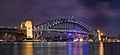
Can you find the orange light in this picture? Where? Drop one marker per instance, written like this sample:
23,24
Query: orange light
101,34
81,39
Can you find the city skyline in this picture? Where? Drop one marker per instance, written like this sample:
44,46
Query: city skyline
101,14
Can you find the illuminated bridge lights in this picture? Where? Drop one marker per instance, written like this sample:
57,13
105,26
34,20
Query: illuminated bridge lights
78,39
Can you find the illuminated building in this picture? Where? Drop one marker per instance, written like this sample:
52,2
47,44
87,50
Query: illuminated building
27,26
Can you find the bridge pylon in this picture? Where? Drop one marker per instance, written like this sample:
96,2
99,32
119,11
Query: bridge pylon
27,26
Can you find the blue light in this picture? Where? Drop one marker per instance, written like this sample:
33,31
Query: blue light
69,34
85,49
70,49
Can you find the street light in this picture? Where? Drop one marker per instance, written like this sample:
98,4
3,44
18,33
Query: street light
98,31
99,35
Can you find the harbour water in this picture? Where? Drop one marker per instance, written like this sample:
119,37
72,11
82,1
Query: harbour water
59,48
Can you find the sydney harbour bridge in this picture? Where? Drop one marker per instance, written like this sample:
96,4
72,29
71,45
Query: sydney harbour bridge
50,27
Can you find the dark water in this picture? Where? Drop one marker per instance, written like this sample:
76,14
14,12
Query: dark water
59,48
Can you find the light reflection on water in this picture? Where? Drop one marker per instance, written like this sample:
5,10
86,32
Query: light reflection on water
58,48
85,50
69,49
27,48
101,49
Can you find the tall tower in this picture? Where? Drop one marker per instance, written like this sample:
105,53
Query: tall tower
27,26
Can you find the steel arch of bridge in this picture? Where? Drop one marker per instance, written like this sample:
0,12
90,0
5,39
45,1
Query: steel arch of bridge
48,25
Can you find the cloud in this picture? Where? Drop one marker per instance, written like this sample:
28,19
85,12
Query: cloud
100,13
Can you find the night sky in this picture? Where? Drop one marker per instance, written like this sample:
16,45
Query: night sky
100,14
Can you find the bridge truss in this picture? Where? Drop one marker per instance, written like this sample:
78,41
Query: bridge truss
47,27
